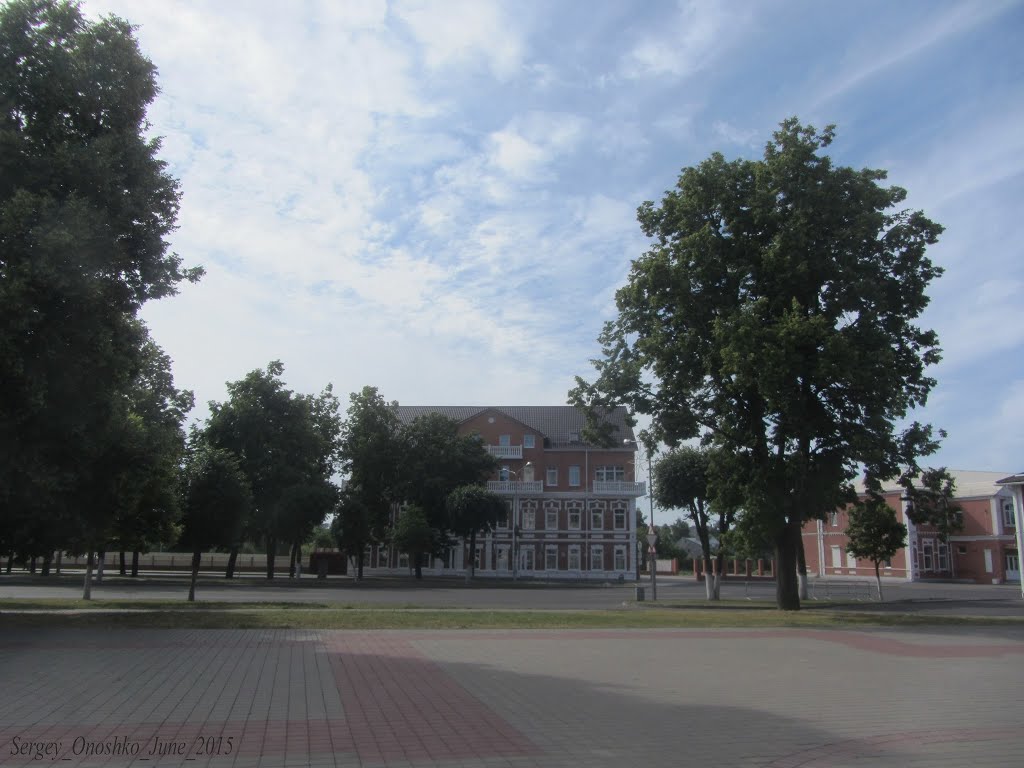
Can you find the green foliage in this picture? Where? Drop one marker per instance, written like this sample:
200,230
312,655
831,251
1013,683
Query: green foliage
372,457
85,207
287,446
873,532
774,315
437,460
413,535
930,496
216,499
473,509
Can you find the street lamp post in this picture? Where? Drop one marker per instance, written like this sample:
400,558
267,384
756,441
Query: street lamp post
650,497
515,521
652,540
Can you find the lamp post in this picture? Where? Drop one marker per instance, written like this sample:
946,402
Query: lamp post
652,540
515,520
650,496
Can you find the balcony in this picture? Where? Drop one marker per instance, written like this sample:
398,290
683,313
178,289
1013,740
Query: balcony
515,486
505,451
619,488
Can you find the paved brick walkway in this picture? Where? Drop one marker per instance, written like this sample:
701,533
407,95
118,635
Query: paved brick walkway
773,698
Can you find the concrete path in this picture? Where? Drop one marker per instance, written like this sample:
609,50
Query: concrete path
770,698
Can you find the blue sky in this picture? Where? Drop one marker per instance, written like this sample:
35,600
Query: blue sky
438,199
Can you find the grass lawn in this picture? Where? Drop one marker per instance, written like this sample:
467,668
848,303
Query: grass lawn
162,614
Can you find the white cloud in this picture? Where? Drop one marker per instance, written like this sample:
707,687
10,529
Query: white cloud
699,33
462,32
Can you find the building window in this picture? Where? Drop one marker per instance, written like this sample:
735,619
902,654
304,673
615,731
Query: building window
962,550
504,439
529,441
551,559
596,515
529,518
551,515
503,520
574,557
609,473
382,556
597,558
552,476
833,519
504,473
943,557
575,509
478,558
1008,519
620,558
503,559
927,556
574,476
619,512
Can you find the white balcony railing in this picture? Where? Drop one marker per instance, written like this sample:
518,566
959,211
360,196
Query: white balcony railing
515,486
505,451
620,487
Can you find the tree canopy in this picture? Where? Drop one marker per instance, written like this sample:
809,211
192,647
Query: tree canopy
86,206
774,315
286,445
873,533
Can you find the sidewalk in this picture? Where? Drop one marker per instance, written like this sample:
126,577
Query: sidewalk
518,698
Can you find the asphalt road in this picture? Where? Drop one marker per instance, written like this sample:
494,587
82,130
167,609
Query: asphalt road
931,597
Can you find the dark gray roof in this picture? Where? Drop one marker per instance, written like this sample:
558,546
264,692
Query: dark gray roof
563,425
1012,480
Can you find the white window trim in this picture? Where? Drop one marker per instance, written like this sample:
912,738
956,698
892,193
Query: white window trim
529,441
551,472
574,476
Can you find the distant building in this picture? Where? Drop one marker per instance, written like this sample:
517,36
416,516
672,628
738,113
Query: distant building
573,504
986,551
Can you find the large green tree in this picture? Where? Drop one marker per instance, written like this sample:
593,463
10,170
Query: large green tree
436,460
472,509
684,480
775,314
287,446
86,206
372,458
149,507
873,533
216,500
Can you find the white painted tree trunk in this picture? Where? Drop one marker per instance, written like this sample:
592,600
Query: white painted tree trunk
803,585
87,590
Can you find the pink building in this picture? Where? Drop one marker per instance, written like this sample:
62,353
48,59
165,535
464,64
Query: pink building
986,551
572,503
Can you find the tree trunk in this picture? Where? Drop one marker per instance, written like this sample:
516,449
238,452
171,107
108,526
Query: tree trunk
10,561
716,580
878,581
47,559
291,562
297,556
801,568
471,570
229,572
196,556
135,563
271,555
87,591
100,562
59,556
32,564
359,569
120,558
787,593
419,567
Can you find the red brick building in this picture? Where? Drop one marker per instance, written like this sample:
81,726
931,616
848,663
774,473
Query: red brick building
986,551
573,503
